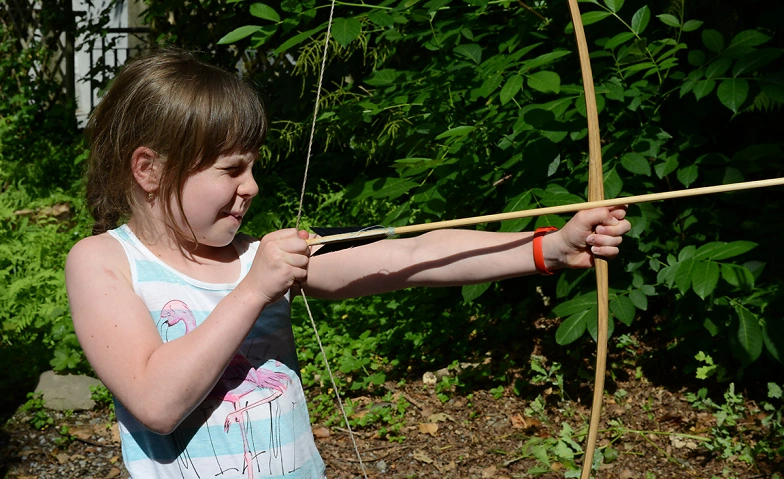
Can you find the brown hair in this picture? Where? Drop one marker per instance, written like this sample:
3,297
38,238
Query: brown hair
185,110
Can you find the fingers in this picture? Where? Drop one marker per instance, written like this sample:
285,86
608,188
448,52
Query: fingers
606,227
281,261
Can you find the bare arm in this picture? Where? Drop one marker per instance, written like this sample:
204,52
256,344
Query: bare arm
459,257
161,383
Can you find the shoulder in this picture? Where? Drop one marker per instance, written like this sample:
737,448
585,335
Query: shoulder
101,252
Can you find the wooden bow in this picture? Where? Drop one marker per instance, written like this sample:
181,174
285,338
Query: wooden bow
595,193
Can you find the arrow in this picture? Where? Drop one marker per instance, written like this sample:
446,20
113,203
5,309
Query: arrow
378,232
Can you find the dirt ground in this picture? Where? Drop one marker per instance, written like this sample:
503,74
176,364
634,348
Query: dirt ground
655,433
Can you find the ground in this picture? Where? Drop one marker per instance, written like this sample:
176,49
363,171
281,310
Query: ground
651,432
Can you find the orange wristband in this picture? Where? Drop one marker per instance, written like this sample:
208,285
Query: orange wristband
541,267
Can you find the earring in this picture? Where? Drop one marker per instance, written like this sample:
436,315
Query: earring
150,196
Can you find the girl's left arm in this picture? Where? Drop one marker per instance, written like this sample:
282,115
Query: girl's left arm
459,257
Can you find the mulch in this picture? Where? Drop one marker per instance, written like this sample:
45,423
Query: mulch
469,436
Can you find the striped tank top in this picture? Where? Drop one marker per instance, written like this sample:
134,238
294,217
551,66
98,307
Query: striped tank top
255,421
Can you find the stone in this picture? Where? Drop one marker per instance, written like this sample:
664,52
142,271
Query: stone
66,392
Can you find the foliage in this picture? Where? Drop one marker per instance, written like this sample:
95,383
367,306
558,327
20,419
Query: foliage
739,432
35,406
40,217
483,100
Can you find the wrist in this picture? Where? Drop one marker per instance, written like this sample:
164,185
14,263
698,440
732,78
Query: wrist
546,255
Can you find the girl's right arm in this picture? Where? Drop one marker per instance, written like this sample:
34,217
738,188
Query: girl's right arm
161,383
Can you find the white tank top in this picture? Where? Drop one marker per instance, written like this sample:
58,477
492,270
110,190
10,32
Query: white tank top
255,421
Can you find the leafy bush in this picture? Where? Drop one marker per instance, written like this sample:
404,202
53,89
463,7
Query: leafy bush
483,101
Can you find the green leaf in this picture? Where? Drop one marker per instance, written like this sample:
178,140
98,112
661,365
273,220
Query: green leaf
462,130
264,33
639,299
614,5
518,203
688,175
773,337
264,11
595,16
669,20
544,59
381,18
703,88
618,39
713,40
613,184
683,275
733,92
691,25
382,77
636,163
346,30
576,305
490,85
667,166
738,276
733,249
238,34
704,278
473,291
640,19
623,308
545,81
472,51
749,335
386,188
774,391
299,38
570,330
718,68
749,38
755,60
511,88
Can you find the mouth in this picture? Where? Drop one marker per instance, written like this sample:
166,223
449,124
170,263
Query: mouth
236,216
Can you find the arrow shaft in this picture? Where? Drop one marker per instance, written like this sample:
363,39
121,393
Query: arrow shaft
551,210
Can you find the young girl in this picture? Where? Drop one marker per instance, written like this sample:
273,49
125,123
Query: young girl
188,322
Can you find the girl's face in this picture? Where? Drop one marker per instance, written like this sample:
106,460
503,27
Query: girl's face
215,199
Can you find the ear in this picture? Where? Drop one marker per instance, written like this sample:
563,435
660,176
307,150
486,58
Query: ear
146,166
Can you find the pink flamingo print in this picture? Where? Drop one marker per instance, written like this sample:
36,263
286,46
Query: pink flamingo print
238,380
251,380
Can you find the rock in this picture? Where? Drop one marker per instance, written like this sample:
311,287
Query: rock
66,392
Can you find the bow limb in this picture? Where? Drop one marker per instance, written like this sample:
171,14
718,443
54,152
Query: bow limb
595,193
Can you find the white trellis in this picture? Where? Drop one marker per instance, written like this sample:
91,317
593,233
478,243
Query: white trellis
125,33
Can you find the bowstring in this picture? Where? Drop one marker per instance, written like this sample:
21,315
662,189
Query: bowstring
299,218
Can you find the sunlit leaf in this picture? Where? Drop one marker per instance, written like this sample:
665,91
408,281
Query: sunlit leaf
238,34
640,19
264,11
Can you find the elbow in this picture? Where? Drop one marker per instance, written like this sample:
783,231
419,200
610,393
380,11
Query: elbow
158,419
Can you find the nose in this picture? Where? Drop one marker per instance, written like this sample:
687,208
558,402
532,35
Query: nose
248,188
